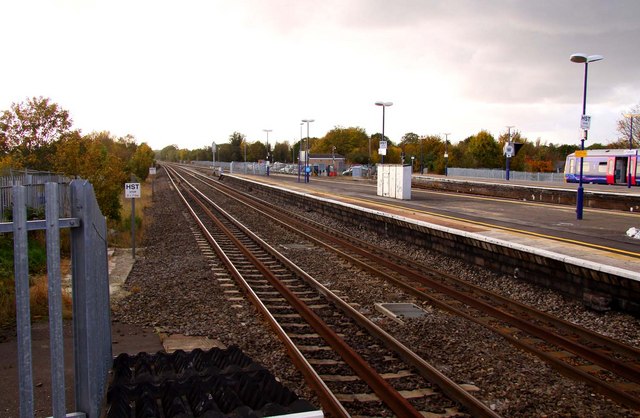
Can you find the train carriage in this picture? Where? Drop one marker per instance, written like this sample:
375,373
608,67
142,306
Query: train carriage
604,166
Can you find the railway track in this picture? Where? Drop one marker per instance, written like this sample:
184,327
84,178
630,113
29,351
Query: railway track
609,366
355,367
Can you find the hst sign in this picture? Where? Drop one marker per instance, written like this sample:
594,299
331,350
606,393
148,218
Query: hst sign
132,190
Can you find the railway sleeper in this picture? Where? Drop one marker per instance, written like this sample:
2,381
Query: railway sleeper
372,397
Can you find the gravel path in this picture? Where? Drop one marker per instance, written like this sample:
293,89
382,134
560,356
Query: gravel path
174,289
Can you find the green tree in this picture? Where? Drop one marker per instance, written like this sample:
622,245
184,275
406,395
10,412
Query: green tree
169,153
282,152
234,150
141,160
28,130
484,151
410,138
431,150
256,151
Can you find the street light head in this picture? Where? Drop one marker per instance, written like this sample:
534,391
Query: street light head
584,58
579,58
268,130
308,120
384,104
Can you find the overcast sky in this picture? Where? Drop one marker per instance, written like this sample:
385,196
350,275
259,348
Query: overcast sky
192,72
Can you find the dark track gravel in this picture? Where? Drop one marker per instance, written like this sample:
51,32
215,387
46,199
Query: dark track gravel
174,289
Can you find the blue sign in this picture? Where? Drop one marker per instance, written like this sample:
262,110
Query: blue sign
307,169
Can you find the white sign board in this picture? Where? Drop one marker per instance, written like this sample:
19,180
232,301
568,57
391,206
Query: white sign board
508,150
132,190
585,122
382,150
152,171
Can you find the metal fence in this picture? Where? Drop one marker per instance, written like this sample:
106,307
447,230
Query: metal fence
90,287
502,174
34,197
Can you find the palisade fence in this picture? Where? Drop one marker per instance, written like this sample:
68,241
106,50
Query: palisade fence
35,181
486,173
90,288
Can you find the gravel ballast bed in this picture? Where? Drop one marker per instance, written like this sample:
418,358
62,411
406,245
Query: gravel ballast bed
173,288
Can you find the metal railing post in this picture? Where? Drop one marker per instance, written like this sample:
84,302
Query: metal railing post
91,312
52,215
23,312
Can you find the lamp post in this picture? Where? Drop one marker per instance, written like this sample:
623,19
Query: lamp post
421,157
630,172
333,158
306,154
369,161
245,155
446,154
267,131
508,150
384,105
299,150
583,59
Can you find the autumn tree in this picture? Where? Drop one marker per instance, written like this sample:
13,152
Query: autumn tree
624,128
88,157
350,142
28,130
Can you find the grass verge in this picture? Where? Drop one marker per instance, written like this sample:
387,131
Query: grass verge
120,231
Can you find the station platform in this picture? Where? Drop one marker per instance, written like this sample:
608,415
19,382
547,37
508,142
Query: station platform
598,241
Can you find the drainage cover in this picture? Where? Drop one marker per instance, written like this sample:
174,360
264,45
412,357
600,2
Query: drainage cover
399,311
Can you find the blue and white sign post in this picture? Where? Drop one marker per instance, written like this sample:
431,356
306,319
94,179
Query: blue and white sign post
585,122
508,151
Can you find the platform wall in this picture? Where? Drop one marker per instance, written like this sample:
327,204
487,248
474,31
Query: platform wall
583,281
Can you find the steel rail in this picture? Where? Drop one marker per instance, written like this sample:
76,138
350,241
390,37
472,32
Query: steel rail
328,400
387,394
390,396
450,388
605,361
